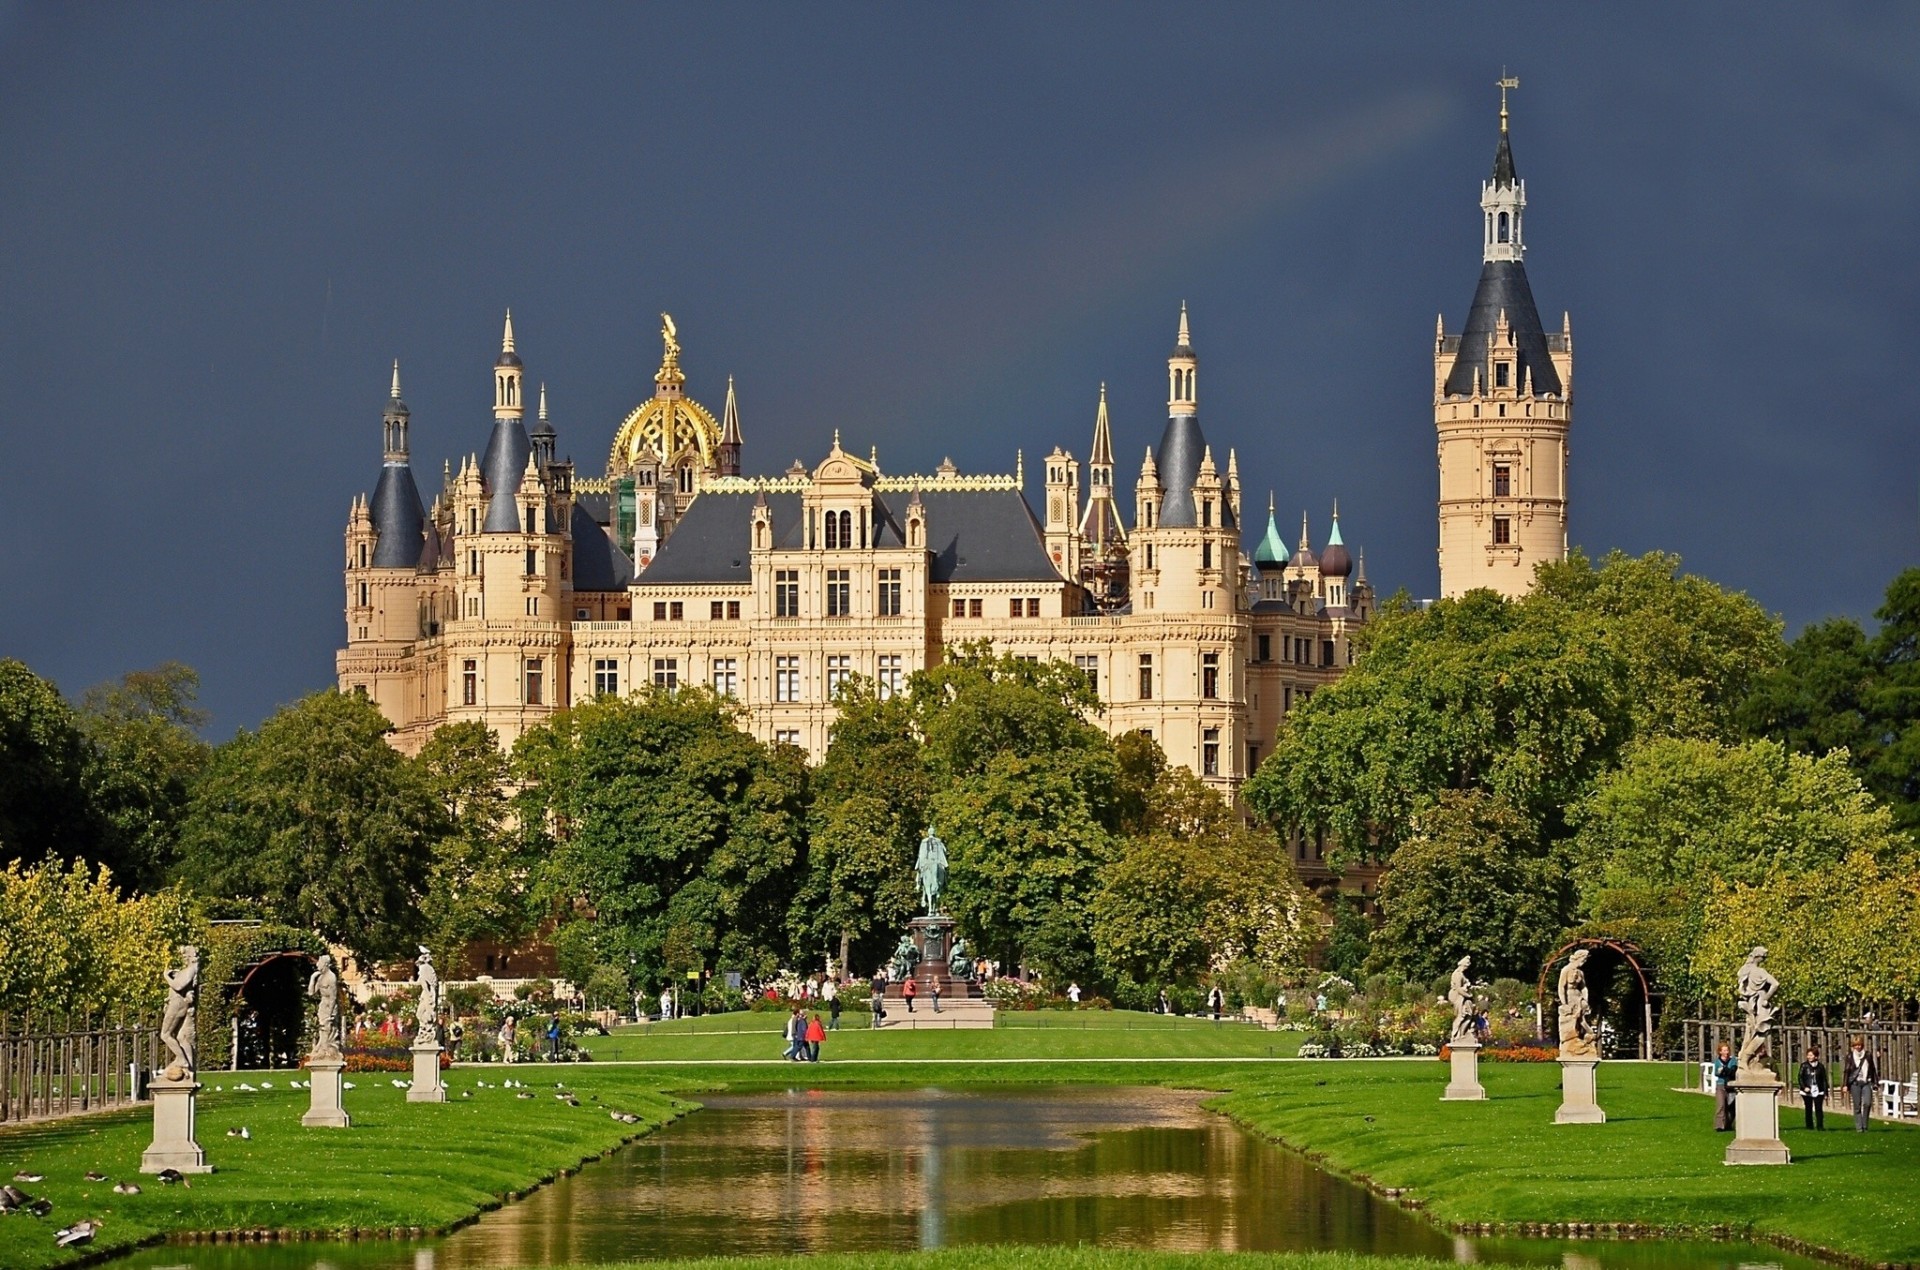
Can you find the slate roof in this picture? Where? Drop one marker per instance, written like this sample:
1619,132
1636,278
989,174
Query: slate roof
398,519
1503,289
500,470
598,564
1178,461
974,535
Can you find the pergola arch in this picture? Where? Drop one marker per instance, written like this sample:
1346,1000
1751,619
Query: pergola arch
1627,949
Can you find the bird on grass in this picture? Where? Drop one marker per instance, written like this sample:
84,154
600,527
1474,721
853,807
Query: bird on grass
94,1176
12,1197
169,1177
80,1232
525,1093
239,1131
39,1207
29,1177
125,1188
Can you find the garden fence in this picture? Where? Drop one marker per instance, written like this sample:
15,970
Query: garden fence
63,1068
1896,1046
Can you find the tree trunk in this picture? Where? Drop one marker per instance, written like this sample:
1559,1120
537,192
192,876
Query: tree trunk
846,950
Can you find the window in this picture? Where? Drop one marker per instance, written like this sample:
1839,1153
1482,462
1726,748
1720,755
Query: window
659,610
888,675
1149,555
473,562
1502,373
473,520
1253,757
1210,752
1146,676
715,609
469,682
974,608
533,562
363,595
606,677
839,592
1033,606
839,667
733,610
533,606
581,615
1016,607
1502,480
666,673
786,593
846,529
363,555
677,610
1206,555
786,679
1090,667
1502,531
360,691
833,531
535,682
786,736
726,676
1210,675
625,613
1286,698
1326,652
959,608
1263,645
889,593
1206,513
1505,227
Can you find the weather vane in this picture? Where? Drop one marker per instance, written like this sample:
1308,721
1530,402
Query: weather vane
1506,81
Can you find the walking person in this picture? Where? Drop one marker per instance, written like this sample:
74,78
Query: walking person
1724,1070
878,1004
833,1013
933,990
794,1034
1813,1089
553,1039
908,991
1166,1006
1214,1001
509,1030
1073,993
813,1036
1862,1076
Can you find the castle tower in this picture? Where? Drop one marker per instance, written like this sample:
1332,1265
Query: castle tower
1103,536
1502,405
1062,500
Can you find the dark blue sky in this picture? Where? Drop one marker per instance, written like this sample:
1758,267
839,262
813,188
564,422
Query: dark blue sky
937,229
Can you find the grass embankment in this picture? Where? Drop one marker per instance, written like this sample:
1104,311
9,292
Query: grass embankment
1655,1162
402,1165
1055,1258
1027,1035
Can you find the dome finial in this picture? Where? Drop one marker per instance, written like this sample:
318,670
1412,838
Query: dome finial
543,403
396,379
1506,82
506,334
1185,340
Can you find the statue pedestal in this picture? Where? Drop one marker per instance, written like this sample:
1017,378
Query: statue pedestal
1579,1092
173,1120
1465,1085
1756,1120
427,1085
323,1094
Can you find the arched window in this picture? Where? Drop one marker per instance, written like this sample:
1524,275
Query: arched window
833,531
846,529
1504,227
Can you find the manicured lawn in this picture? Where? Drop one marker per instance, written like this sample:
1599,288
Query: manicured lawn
1055,1258
1018,1034
401,1164
1656,1160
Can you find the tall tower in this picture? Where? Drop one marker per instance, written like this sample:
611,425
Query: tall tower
1102,533
1502,404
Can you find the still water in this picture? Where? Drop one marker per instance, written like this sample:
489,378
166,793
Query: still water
810,1171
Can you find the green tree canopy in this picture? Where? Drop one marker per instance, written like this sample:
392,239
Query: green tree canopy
320,823
682,836
480,884
70,942
147,756
1473,881
46,809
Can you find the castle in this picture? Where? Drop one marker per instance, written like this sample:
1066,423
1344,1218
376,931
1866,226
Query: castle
524,589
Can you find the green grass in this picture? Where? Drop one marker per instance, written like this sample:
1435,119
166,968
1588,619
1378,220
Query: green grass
1024,1035
400,1165
1656,1161
1055,1258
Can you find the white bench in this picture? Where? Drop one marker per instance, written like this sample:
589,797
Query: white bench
1706,1077
1898,1101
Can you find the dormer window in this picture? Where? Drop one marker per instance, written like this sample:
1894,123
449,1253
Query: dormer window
1502,374
1506,228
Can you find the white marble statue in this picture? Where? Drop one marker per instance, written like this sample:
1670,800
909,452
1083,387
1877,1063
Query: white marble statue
324,984
427,1009
176,1021
1576,1011
1756,987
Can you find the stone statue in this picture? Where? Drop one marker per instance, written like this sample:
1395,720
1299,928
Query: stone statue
1756,987
176,1021
427,1010
1463,993
931,870
324,983
905,957
1576,1012
960,962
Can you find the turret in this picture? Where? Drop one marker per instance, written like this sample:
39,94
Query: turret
543,436
727,453
1062,500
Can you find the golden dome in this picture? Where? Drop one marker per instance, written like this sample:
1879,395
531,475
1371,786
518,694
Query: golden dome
670,422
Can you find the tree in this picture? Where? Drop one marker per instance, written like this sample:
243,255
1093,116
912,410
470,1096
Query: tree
869,806
681,835
147,754
46,811
1473,881
71,943
1679,816
319,823
479,886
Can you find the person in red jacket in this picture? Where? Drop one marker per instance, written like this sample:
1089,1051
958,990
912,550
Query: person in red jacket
908,991
815,1035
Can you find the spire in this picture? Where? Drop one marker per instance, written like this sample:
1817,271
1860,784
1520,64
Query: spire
396,379
398,518
506,334
543,401
394,423
507,403
1334,539
727,460
1272,549
1185,340
1102,454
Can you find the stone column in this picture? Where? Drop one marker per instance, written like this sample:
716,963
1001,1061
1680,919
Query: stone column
1465,1085
174,1146
1756,1120
1579,1092
427,1085
324,1086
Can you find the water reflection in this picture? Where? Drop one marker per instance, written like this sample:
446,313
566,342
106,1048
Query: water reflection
813,1171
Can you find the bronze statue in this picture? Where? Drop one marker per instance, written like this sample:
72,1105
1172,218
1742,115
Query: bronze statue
960,961
905,958
931,870
176,1021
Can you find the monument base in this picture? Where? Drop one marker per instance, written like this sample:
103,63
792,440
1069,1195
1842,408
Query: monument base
1579,1092
1465,1085
1756,1121
954,1012
174,1146
427,1085
324,1084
